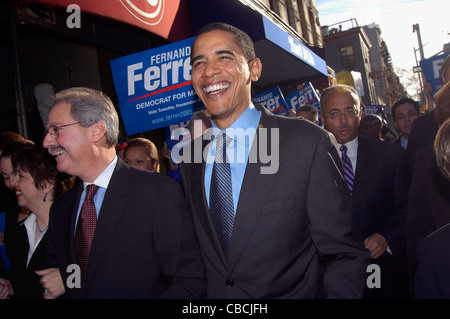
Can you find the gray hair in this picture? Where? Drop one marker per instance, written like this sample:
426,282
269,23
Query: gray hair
89,106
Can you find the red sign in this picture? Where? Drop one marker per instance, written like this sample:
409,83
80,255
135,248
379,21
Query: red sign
156,16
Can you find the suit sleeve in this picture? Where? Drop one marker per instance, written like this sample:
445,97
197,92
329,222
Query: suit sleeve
177,245
395,227
425,284
339,244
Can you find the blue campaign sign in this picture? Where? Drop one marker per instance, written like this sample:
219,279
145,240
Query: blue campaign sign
154,87
272,100
306,95
177,133
431,69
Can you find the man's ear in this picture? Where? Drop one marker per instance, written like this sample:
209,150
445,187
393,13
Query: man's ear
98,130
255,67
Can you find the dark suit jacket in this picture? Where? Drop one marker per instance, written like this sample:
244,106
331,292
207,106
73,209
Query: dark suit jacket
432,277
429,202
423,133
293,236
380,199
144,244
380,191
24,280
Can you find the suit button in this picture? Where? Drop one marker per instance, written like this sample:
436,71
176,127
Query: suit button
230,283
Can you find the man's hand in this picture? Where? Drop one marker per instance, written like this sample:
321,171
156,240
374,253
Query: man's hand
377,245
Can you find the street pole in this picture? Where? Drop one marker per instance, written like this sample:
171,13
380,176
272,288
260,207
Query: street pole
416,29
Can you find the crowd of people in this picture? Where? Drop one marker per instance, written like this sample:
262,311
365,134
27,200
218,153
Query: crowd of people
87,216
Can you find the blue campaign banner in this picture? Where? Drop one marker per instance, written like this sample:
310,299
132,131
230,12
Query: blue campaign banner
373,109
285,41
154,87
177,133
273,100
2,246
431,69
306,95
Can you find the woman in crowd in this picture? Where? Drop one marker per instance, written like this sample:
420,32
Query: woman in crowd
142,153
37,184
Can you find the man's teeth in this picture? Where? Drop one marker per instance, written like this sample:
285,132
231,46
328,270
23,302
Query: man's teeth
58,153
216,87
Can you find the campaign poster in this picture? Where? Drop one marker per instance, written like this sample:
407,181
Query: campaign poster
306,95
373,109
154,87
431,69
177,133
272,100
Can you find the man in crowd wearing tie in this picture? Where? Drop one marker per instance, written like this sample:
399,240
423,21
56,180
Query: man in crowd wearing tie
267,230
129,231
377,177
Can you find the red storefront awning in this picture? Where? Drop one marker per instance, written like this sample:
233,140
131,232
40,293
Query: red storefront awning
156,16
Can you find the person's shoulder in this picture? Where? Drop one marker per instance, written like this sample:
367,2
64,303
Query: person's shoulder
380,144
436,238
426,119
299,125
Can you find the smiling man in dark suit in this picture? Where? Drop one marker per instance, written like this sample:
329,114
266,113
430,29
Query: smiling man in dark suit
144,244
377,176
284,230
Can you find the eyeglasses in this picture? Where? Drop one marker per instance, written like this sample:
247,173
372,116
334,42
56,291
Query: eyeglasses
55,130
333,115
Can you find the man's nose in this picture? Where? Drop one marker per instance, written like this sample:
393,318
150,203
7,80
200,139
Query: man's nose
210,69
48,141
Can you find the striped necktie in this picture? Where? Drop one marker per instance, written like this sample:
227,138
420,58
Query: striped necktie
348,170
221,195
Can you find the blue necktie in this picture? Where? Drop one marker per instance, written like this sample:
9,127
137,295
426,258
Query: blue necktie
221,205
348,170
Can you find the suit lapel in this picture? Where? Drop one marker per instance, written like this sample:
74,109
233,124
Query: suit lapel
73,221
363,165
196,180
254,190
112,209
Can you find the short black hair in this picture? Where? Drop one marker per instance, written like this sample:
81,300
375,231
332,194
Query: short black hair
243,40
404,101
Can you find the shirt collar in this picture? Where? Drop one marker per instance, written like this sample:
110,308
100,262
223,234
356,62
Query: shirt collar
248,119
103,179
352,146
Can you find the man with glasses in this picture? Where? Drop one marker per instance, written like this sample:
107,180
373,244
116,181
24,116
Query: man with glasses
376,174
133,236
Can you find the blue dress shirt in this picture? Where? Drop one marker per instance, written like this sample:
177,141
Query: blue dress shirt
242,133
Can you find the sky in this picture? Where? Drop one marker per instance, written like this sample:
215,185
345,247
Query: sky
395,19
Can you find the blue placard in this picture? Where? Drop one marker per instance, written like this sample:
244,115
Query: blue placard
2,246
306,95
154,87
431,69
273,100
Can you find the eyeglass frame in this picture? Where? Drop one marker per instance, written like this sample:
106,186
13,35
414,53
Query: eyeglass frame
56,129
347,112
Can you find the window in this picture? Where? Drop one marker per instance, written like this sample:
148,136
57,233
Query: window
347,57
